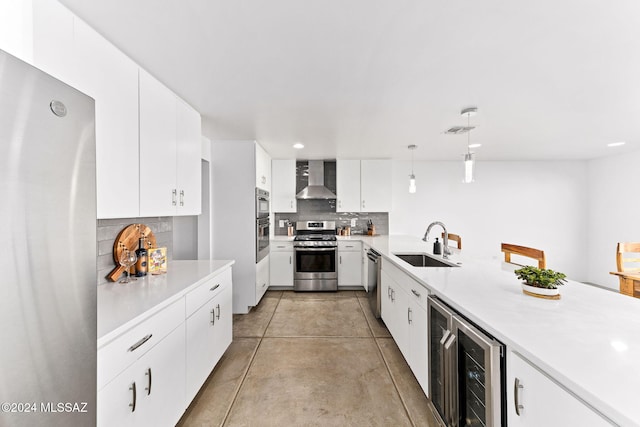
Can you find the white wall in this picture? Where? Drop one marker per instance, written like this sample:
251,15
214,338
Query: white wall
613,213
539,204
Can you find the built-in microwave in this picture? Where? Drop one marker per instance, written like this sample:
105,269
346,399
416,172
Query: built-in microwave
262,203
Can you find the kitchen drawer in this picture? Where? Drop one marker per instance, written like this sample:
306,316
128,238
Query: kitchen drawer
203,293
349,246
416,291
120,353
281,246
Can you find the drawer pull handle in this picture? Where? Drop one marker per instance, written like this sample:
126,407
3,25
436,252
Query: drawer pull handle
148,388
416,293
516,396
139,343
409,315
174,194
218,314
132,405
215,287
213,316
181,197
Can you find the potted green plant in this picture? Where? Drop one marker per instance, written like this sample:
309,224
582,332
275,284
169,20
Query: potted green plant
541,281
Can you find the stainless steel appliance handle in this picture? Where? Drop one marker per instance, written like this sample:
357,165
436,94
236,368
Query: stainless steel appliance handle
143,340
148,388
445,336
372,257
450,342
132,405
517,385
311,249
340,259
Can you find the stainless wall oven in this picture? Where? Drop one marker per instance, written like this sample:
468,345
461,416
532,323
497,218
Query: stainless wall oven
315,249
262,238
466,372
262,203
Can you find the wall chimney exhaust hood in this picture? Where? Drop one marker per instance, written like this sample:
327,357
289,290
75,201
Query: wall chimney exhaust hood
316,188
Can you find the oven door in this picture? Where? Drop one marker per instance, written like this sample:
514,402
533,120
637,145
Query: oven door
262,203
262,238
315,263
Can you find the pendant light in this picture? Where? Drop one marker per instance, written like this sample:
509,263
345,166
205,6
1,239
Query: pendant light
468,156
412,177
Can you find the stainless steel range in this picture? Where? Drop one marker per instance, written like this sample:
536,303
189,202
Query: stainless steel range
316,256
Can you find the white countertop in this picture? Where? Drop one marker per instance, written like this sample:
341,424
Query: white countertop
577,340
119,304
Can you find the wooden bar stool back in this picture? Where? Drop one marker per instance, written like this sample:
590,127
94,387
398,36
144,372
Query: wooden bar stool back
454,238
524,251
630,263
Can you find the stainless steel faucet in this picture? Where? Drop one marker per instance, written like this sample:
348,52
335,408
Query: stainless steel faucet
445,250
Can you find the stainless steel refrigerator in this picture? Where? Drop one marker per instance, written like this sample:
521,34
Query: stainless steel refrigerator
48,253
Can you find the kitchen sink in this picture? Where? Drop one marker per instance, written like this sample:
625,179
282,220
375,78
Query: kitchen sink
423,260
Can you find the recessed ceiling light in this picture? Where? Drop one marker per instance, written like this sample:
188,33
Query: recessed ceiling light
475,145
298,145
616,144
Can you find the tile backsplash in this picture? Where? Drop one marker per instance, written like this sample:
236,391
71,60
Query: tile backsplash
108,229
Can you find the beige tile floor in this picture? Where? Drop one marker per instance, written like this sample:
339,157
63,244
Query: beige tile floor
310,359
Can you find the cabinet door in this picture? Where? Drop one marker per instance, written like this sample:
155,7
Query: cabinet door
16,34
53,40
115,401
418,331
541,401
349,268
262,278
348,185
263,169
188,159
223,326
395,313
199,348
158,190
375,185
283,186
281,268
111,78
161,374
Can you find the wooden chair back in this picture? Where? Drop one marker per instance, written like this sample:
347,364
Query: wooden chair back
632,263
454,238
536,254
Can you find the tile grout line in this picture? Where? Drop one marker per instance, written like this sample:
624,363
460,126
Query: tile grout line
386,364
246,372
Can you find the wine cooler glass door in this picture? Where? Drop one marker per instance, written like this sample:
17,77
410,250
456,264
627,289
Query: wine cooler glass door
440,324
477,392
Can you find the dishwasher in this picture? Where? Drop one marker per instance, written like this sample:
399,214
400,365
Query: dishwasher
373,281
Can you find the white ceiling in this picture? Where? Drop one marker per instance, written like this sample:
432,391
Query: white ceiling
365,78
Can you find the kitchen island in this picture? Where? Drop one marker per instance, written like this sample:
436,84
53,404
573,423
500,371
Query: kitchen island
588,341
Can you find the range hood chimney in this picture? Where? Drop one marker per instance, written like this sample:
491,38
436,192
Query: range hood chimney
316,188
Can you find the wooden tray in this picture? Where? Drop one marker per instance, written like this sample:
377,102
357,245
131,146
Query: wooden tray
128,238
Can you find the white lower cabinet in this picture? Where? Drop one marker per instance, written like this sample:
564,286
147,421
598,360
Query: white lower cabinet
148,375
404,311
349,264
262,277
533,399
149,392
281,264
209,333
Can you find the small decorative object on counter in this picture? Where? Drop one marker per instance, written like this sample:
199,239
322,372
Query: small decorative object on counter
290,229
141,253
371,229
437,247
128,239
541,282
157,260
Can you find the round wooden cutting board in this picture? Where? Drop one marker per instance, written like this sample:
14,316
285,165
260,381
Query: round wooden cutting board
128,239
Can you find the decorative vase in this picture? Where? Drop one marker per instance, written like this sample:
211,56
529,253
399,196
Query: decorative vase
541,292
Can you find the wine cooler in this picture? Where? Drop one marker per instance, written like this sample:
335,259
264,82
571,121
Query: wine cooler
466,372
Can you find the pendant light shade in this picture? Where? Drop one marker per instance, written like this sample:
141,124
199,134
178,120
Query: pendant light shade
468,156
412,177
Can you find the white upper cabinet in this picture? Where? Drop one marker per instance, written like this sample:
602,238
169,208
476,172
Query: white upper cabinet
111,78
348,185
170,152
189,155
363,185
283,185
158,191
263,169
375,185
